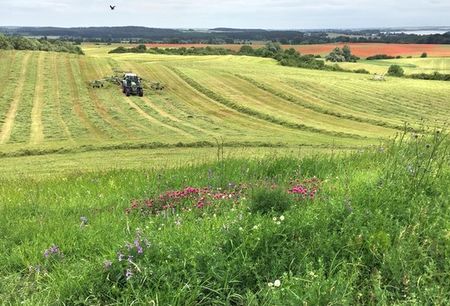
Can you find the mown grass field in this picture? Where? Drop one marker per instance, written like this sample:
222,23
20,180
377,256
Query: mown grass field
246,102
242,183
409,65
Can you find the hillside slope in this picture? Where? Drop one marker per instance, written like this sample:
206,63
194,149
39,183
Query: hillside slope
47,104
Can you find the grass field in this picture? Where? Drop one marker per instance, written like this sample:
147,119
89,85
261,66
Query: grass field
374,230
242,183
409,65
247,102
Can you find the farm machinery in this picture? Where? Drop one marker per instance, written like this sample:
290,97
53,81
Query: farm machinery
130,83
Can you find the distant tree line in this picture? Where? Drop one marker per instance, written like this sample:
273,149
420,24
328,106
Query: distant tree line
226,36
43,44
289,57
380,57
385,56
436,76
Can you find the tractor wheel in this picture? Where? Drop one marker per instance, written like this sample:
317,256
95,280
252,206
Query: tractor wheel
128,93
141,93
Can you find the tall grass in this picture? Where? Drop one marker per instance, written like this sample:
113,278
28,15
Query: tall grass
376,232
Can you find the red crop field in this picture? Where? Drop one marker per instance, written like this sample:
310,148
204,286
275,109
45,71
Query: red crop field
367,49
359,49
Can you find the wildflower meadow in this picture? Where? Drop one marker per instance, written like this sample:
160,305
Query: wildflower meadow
367,227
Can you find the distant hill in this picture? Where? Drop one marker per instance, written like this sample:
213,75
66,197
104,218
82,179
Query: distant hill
224,35
157,34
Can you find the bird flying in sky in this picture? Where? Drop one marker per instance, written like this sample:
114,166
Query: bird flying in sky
112,7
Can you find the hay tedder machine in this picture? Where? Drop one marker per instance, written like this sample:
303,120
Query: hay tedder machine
130,83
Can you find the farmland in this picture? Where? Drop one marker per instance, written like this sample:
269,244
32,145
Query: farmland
245,101
362,50
410,65
243,182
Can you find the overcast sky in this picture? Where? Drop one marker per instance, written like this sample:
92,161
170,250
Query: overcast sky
281,14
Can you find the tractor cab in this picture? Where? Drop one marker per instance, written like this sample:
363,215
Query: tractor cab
131,85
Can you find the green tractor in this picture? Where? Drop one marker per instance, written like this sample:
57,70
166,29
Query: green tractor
131,85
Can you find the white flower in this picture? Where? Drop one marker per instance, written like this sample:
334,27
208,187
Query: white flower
277,283
282,218
270,285
274,219
278,223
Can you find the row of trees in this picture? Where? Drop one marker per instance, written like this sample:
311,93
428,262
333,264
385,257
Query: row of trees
43,44
385,56
289,57
175,51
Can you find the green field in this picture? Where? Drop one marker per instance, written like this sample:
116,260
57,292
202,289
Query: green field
241,183
245,101
410,65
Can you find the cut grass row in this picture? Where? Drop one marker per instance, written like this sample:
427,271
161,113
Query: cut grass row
254,113
316,108
236,89
20,119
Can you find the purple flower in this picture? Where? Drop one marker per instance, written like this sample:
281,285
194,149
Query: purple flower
53,250
136,243
140,250
128,274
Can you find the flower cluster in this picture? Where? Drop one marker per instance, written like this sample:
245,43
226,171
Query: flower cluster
185,200
278,220
53,252
127,257
275,284
306,189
